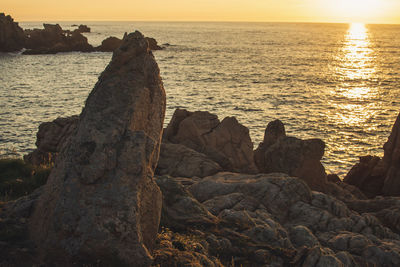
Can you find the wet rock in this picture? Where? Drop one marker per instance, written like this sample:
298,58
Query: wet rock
101,203
50,140
109,44
12,37
228,142
180,161
290,155
53,39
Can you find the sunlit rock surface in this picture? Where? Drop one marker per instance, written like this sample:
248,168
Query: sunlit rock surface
227,142
296,157
101,202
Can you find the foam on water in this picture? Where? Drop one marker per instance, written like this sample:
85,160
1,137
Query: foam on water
336,82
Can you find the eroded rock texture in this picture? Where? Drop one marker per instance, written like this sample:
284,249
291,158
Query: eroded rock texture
227,142
290,155
276,219
101,203
12,37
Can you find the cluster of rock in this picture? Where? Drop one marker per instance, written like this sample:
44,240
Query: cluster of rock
125,192
53,39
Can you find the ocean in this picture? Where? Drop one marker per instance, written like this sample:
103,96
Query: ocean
337,82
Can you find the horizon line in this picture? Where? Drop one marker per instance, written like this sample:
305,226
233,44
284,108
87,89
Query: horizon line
214,21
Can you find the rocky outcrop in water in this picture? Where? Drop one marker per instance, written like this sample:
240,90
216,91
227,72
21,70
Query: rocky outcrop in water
50,139
111,43
12,37
290,155
83,28
101,203
53,39
227,142
375,176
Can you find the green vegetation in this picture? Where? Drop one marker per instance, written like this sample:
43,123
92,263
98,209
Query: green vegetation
18,178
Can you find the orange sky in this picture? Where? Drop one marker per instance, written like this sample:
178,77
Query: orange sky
368,11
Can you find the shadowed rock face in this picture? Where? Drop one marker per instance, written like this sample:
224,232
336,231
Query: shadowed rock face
290,155
51,137
375,176
101,202
391,159
228,142
12,37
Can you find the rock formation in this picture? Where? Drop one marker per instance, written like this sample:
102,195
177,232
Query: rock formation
276,219
290,155
375,176
83,28
111,43
50,139
180,161
228,142
101,204
12,37
53,39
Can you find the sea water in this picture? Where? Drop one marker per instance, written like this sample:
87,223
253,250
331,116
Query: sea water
337,82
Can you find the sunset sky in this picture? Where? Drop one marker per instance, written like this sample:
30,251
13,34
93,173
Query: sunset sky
367,11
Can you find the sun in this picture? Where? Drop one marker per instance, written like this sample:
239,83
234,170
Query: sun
356,10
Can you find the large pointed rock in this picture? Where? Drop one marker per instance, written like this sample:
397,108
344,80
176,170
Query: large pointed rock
101,204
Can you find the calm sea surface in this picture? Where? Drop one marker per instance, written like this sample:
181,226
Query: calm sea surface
337,82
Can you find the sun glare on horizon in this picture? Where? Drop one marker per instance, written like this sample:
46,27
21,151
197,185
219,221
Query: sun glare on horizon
357,10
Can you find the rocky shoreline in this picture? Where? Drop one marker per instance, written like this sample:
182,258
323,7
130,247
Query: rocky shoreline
125,192
53,39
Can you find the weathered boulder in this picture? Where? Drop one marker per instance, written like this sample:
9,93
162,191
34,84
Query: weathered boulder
50,139
228,142
101,204
181,161
367,175
375,176
12,37
109,44
290,155
53,39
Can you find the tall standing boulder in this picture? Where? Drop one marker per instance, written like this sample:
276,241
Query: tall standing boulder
101,204
12,37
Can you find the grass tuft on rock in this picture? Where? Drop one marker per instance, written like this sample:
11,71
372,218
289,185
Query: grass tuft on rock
18,178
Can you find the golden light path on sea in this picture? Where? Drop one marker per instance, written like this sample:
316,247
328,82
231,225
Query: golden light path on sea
356,66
